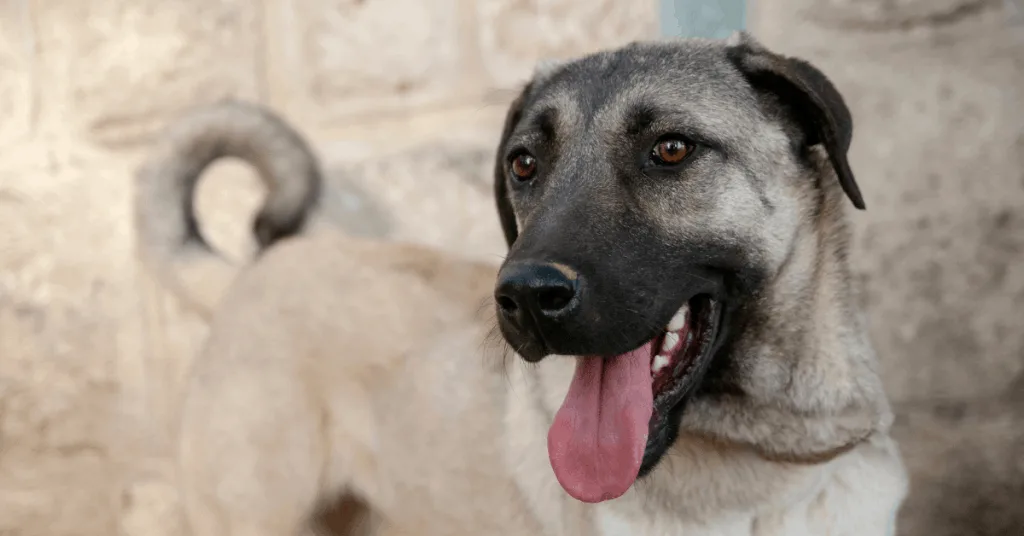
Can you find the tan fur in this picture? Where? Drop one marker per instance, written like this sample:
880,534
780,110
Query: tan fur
346,378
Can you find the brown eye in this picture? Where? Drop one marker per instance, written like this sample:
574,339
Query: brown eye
670,151
524,166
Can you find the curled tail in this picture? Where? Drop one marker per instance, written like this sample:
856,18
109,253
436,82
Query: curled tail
168,238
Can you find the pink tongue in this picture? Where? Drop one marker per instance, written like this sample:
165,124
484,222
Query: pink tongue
596,443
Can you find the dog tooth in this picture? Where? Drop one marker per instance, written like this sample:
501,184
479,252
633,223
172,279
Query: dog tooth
679,320
660,362
670,342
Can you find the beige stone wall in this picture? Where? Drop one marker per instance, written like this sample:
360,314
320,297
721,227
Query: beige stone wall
403,98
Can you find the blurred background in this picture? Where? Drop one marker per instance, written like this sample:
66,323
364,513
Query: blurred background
404,100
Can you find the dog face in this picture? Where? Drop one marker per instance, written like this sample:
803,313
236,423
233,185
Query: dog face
651,197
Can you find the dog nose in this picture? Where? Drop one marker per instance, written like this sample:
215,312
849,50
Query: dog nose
545,291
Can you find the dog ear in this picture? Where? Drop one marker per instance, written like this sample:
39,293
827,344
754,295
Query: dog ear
816,104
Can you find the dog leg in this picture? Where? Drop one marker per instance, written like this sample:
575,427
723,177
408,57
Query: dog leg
251,458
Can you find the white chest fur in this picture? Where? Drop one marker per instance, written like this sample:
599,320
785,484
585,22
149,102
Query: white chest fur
611,523
858,495
706,491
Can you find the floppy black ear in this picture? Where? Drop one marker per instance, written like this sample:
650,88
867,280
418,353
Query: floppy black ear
505,212
817,106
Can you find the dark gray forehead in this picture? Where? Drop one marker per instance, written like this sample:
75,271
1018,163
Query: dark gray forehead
693,79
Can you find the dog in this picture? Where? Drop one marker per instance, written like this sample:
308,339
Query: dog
671,346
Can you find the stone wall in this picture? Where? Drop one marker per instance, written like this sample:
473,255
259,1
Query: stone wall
392,91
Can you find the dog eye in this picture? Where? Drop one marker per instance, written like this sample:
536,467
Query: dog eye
523,166
671,151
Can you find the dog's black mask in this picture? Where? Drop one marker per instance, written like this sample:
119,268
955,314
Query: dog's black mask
612,284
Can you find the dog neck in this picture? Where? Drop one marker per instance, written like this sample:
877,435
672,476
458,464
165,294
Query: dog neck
800,380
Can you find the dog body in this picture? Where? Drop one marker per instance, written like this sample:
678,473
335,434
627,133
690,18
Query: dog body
340,371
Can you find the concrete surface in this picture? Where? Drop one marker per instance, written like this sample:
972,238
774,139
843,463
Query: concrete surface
91,351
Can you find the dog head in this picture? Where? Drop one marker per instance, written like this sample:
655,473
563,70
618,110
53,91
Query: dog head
678,205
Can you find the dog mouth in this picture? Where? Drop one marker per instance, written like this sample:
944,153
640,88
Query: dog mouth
617,419
683,348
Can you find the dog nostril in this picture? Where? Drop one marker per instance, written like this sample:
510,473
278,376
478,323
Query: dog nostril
508,305
538,291
555,299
